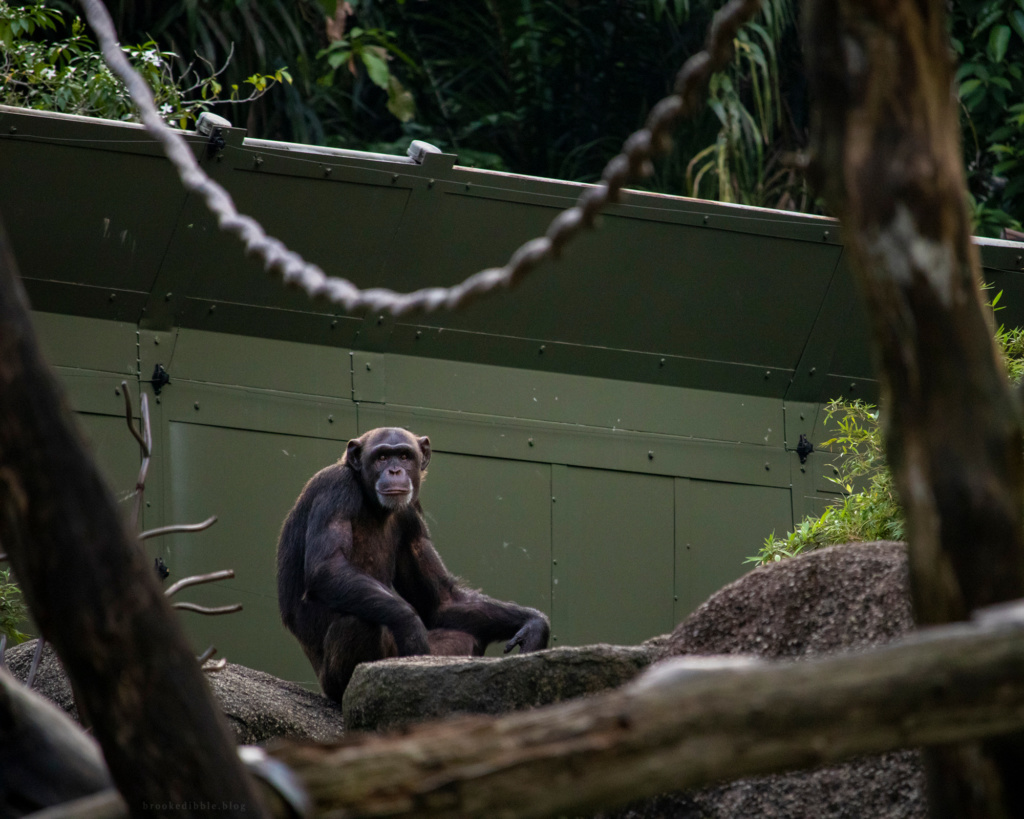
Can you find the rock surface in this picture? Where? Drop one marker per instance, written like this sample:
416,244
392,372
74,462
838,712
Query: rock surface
258,706
835,599
394,693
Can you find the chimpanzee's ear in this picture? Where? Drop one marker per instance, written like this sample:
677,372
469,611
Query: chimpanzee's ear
354,453
424,452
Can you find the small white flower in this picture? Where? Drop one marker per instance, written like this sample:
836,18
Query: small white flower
48,73
151,57
166,109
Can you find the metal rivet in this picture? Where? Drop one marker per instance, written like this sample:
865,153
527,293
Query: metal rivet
650,454
368,366
825,235
257,161
158,399
468,186
553,500
767,373
853,387
13,129
419,334
197,405
801,416
813,371
334,324
117,391
156,341
168,296
541,350
554,562
530,441
706,218
676,598
113,297
430,183
213,308
661,363
327,171
767,467
330,419
394,178
380,320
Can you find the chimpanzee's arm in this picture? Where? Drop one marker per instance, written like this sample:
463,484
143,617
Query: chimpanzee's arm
333,581
443,603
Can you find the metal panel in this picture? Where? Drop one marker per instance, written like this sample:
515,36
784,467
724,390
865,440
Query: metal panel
491,521
612,548
249,480
583,446
88,344
718,526
568,399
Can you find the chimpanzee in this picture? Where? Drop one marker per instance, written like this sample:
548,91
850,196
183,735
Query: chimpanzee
358,578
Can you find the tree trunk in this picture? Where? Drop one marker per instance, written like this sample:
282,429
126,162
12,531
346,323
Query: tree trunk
95,597
886,152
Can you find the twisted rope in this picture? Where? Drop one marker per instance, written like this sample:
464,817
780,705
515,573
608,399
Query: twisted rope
634,162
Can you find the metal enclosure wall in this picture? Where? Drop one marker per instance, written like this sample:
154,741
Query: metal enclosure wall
612,439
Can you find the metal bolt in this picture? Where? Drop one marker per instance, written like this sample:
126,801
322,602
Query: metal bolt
334,324
650,454
168,296
825,235
196,405
419,334
430,183
380,320
394,178
468,186
13,129
257,161
676,598
368,368
767,373
767,467
213,308
330,419
117,391
706,218
853,387
661,363
813,371
541,350
113,297
530,441
554,562
553,499
801,416
327,171
156,341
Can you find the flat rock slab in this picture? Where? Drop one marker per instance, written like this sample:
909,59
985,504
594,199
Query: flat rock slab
258,706
394,693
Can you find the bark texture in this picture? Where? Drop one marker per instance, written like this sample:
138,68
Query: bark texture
885,147
95,597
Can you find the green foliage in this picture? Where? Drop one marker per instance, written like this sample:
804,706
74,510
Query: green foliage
12,610
988,37
373,49
869,508
49,63
872,513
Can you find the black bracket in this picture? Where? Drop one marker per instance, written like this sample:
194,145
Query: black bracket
804,448
215,144
161,378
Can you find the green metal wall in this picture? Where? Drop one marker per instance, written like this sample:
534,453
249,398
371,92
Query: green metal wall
612,439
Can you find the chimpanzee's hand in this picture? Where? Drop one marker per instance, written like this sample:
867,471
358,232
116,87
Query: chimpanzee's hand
531,637
410,636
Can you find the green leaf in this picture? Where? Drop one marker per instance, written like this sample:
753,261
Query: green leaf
400,100
1016,20
998,40
376,67
967,87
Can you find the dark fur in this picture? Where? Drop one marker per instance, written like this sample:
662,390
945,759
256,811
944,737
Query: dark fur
359,581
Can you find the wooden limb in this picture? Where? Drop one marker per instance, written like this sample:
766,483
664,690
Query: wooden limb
886,152
45,758
95,598
686,722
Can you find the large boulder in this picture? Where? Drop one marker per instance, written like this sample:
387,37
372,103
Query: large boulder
395,693
836,599
258,706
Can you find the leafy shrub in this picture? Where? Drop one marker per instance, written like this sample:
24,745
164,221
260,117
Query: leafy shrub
12,610
49,63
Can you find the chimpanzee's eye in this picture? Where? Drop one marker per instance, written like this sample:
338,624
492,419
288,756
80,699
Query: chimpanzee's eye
381,458
405,456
